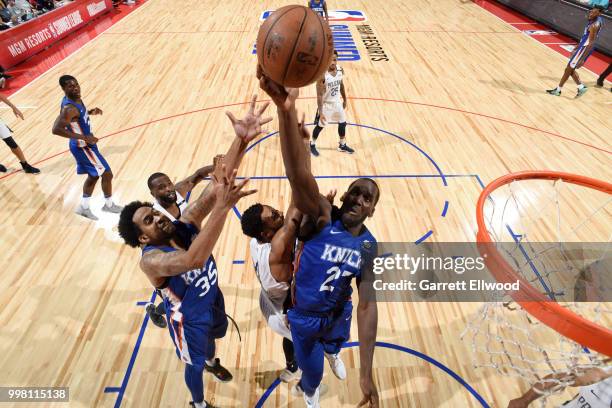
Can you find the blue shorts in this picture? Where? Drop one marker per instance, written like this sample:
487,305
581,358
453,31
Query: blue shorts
315,334
579,57
195,341
89,160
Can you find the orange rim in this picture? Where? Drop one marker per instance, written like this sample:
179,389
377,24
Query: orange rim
549,312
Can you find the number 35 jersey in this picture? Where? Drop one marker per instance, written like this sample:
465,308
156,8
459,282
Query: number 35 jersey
326,265
189,294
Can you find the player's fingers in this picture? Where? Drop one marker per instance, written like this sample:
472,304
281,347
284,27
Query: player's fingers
265,120
247,193
232,176
263,108
231,117
363,402
242,183
253,102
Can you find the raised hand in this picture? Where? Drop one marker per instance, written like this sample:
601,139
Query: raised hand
331,195
249,127
283,98
227,192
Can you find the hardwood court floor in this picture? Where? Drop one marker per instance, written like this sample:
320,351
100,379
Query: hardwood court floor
460,86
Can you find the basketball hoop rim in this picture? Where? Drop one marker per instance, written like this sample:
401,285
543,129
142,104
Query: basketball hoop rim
549,312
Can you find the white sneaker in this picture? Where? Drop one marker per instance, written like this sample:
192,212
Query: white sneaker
86,212
288,376
312,402
297,390
115,209
337,366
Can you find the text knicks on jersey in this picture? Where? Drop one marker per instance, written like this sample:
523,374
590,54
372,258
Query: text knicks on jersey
336,254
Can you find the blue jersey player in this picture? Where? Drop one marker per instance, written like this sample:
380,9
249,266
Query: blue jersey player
330,258
177,259
319,7
73,123
583,50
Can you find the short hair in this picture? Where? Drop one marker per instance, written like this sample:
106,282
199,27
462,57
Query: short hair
128,230
252,224
371,181
64,80
153,177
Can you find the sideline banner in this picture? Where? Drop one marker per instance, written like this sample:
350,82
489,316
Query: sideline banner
21,42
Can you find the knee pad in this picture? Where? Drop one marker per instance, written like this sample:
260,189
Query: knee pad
10,142
342,129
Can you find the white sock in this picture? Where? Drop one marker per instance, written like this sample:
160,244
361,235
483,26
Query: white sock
109,201
342,141
581,86
85,202
312,142
211,363
199,404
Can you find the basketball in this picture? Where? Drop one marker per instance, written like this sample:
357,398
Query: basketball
294,46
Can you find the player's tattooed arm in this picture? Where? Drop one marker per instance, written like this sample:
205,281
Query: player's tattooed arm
198,210
158,265
69,114
343,93
188,184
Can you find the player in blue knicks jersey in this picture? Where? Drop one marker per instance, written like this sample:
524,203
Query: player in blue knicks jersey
177,259
319,7
331,257
171,200
73,123
583,50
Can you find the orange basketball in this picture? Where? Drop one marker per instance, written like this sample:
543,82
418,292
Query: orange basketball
294,46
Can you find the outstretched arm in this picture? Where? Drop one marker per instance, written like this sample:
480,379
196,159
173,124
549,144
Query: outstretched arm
246,129
305,191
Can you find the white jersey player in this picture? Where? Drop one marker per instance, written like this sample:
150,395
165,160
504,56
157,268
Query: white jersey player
272,242
331,105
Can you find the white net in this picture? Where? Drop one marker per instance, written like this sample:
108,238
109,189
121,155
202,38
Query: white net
556,236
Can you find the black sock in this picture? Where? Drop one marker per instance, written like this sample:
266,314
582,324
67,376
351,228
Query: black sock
289,354
315,132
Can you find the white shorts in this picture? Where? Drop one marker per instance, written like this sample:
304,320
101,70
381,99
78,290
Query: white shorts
274,316
332,112
5,131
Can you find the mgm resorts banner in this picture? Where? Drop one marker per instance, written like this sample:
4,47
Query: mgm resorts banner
21,42
566,18
470,272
